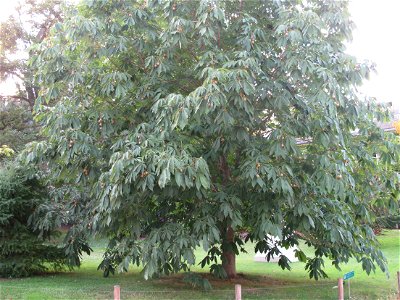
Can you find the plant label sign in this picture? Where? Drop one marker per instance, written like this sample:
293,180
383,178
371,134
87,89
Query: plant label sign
348,275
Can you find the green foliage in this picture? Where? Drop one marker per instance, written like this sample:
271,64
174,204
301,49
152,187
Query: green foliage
180,122
59,212
16,126
22,251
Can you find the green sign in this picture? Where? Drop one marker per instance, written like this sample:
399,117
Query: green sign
348,275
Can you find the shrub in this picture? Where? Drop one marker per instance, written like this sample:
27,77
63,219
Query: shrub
22,251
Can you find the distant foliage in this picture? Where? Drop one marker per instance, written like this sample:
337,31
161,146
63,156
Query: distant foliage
30,24
22,251
16,126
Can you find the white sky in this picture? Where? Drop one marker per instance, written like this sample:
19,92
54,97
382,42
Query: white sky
376,39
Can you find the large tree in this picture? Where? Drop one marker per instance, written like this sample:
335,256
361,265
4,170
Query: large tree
184,123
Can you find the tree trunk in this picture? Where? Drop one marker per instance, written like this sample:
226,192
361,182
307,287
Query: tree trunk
31,96
228,256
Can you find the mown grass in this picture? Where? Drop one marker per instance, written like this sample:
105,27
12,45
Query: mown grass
258,280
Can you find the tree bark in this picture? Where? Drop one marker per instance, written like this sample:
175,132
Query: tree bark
228,256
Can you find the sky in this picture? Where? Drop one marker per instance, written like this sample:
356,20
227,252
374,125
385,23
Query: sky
374,39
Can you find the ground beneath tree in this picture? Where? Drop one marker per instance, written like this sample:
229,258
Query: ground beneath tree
248,281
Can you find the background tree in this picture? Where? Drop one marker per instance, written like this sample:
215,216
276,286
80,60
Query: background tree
30,24
16,126
186,121
386,217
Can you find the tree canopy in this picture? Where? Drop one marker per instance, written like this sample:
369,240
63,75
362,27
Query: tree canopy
180,124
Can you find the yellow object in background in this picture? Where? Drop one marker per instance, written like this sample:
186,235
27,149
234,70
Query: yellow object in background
397,126
6,151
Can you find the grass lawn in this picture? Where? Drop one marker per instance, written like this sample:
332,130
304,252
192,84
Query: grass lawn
258,280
